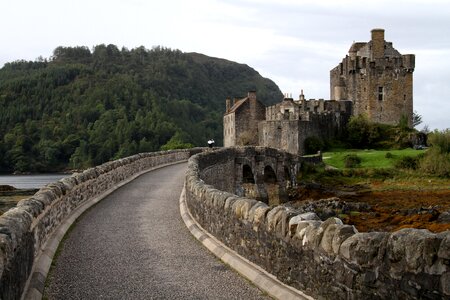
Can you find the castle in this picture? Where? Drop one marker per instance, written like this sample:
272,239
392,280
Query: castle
374,79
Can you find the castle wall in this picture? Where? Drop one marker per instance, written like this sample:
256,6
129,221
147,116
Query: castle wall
229,130
288,124
280,134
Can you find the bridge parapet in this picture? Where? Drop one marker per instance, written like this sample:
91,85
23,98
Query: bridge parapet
325,259
25,229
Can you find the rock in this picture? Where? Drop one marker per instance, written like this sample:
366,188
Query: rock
444,247
293,222
417,258
342,233
259,216
445,283
444,217
325,234
364,248
273,217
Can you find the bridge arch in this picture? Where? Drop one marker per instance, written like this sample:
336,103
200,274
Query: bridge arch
269,175
247,174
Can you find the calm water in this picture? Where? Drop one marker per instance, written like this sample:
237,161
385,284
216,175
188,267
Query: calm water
30,181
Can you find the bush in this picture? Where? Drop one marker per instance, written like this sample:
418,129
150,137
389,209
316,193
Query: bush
440,141
437,159
408,162
313,144
389,155
352,161
436,163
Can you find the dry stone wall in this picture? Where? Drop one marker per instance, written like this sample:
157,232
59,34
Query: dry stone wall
326,259
26,228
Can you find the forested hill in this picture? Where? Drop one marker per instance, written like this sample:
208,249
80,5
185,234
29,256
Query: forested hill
83,107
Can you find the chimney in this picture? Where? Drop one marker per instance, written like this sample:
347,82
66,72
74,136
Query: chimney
252,95
377,43
228,104
302,96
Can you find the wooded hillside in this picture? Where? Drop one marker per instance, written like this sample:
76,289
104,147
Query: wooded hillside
83,107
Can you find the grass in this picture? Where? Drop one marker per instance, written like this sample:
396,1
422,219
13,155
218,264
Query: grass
376,172
370,159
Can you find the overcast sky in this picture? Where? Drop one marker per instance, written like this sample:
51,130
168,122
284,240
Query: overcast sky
293,42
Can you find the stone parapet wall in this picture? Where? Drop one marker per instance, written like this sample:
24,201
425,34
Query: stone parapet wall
326,259
25,229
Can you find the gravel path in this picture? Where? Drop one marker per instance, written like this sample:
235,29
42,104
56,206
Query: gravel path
134,245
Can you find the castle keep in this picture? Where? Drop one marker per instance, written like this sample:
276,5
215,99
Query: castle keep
374,79
377,79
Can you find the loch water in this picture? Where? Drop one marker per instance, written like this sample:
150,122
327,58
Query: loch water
34,181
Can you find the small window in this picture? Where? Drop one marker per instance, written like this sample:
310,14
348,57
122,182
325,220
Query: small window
380,93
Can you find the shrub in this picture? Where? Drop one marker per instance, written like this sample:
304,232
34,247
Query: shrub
440,141
436,163
437,159
352,161
389,155
313,144
407,162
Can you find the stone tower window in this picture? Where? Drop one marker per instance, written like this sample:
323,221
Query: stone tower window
380,93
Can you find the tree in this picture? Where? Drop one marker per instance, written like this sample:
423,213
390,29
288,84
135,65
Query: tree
416,119
83,107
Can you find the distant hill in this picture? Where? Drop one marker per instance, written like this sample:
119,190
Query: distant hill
81,108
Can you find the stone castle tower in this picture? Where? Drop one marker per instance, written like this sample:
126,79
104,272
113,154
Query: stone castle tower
377,79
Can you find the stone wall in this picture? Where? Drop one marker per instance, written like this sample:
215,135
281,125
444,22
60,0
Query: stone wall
290,135
25,229
328,260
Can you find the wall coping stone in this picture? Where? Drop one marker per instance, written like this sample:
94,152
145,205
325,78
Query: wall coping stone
31,231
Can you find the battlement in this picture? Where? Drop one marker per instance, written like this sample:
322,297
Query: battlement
303,109
377,79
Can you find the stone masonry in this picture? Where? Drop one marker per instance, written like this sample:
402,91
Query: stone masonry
25,229
377,79
326,259
285,125
374,79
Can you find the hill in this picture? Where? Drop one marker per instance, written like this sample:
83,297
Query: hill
83,107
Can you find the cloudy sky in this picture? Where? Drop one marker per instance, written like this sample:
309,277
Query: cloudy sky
293,42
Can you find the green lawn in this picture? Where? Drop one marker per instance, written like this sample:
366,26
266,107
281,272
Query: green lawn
369,158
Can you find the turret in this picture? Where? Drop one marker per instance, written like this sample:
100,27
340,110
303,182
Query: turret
409,62
228,104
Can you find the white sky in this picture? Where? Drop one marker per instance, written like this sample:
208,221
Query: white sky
293,42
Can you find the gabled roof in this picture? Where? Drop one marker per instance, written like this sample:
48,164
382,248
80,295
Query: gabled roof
237,105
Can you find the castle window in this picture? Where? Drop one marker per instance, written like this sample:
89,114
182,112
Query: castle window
380,93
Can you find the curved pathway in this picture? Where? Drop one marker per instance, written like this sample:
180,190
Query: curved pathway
134,245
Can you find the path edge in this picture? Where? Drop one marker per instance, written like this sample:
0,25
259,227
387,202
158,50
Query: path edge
252,272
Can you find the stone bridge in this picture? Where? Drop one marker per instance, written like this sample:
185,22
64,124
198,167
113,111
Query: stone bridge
324,259
261,173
